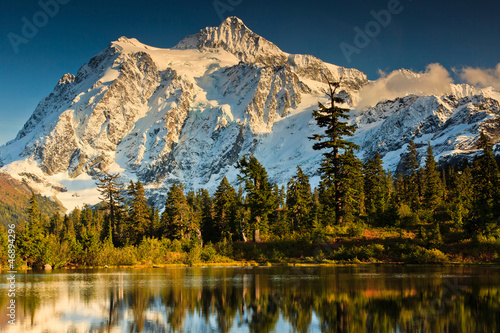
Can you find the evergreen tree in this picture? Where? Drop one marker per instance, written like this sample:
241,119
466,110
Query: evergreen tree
138,224
75,220
461,194
118,230
376,188
486,185
399,190
175,219
412,177
194,202
34,215
277,220
224,211
110,188
333,141
91,244
206,220
68,228
259,194
351,186
316,208
70,237
299,201
326,196
154,230
30,237
241,228
56,226
432,186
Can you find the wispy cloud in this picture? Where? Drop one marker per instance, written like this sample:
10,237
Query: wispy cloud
435,80
483,77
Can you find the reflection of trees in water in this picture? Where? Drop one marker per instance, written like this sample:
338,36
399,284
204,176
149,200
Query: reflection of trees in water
112,311
255,300
139,300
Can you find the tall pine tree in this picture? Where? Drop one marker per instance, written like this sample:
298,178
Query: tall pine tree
224,211
138,224
377,189
432,184
299,201
259,194
486,185
30,238
333,141
412,177
176,218
110,188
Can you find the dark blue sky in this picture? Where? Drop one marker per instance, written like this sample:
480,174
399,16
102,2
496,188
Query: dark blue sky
453,33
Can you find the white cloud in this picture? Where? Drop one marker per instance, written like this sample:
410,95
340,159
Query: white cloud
435,80
482,77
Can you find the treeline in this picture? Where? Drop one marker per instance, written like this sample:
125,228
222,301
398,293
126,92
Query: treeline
14,201
422,200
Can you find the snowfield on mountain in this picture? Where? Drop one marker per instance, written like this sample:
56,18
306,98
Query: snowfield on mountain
188,113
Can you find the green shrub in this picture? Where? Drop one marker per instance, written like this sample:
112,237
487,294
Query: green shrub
420,255
225,248
342,253
277,255
194,255
116,256
150,251
355,229
172,246
378,248
406,217
208,253
320,256
354,254
431,235
126,256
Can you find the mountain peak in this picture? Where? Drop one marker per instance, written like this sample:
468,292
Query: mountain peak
235,37
66,79
125,42
233,21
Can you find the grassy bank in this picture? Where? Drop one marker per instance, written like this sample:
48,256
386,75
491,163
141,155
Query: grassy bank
349,244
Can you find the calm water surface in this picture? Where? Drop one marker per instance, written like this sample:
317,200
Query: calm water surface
257,299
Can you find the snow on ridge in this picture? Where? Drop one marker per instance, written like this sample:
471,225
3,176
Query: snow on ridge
189,113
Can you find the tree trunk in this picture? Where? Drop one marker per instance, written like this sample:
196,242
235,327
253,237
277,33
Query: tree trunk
199,236
243,230
336,174
256,237
338,207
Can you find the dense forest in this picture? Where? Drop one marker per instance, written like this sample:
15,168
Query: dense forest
359,212
15,200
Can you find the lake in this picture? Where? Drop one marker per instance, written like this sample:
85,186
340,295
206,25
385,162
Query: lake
362,298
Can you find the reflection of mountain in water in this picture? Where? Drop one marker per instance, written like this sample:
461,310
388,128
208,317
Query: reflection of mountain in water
281,299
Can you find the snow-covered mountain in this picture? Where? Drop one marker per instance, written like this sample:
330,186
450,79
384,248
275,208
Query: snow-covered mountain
186,114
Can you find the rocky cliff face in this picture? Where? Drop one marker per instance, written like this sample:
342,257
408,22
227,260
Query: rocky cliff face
234,37
188,113
451,124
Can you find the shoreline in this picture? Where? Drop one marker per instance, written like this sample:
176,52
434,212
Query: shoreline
255,264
